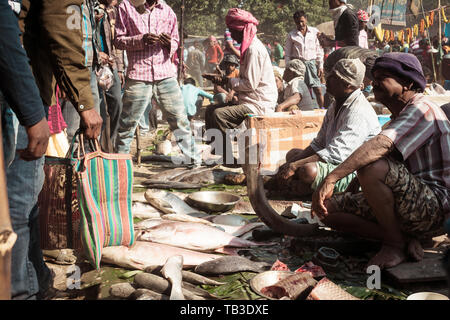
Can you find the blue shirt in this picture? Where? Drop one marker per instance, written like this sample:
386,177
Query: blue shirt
190,96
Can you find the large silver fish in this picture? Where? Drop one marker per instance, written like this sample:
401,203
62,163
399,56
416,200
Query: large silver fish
172,272
193,236
168,203
145,254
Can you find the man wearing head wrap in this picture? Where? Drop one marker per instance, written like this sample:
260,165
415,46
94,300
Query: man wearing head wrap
255,87
303,43
349,122
296,94
346,25
404,172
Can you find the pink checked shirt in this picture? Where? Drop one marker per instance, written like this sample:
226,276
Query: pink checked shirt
147,62
304,47
421,133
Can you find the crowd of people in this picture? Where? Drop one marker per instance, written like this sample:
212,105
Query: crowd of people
391,184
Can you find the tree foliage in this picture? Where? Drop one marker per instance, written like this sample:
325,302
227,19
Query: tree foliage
203,18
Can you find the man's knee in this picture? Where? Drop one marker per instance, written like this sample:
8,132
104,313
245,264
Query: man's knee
375,171
307,173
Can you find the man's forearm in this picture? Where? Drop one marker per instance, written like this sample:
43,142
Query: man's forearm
292,100
369,152
313,158
133,43
308,152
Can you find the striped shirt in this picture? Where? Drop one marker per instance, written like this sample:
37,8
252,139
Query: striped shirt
421,133
304,47
147,62
341,134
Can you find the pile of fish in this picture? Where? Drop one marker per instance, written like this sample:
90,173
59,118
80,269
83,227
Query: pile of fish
171,282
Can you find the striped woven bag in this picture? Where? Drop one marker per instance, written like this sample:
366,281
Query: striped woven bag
104,193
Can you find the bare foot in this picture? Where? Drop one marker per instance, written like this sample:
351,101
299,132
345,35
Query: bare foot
388,257
415,250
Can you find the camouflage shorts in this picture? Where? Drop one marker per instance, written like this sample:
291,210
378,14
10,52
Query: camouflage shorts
418,209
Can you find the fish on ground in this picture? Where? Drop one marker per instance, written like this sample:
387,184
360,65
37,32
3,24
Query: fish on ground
295,286
122,290
231,264
168,202
172,272
193,236
185,218
144,211
146,294
328,290
236,231
145,254
161,285
170,185
188,276
228,219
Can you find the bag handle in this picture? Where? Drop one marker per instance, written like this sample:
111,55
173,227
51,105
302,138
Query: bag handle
80,148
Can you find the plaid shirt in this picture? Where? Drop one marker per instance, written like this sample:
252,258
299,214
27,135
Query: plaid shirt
147,62
421,133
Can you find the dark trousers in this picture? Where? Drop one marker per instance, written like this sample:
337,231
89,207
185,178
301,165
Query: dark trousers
110,111
223,117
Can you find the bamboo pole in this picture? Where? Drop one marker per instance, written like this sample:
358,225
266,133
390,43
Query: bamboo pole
181,48
7,236
440,40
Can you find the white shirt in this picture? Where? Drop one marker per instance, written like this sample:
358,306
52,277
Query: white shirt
341,134
363,42
256,86
305,47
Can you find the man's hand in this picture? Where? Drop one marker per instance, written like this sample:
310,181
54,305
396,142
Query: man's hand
122,79
103,58
320,72
38,136
287,170
91,123
166,40
216,79
323,192
150,38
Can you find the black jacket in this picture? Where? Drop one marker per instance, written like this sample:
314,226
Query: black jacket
347,29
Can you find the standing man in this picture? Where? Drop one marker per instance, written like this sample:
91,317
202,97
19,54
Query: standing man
255,87
346,25
278,53
54,49
110,109
363,18
304,44
195,63
214,54
149,33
